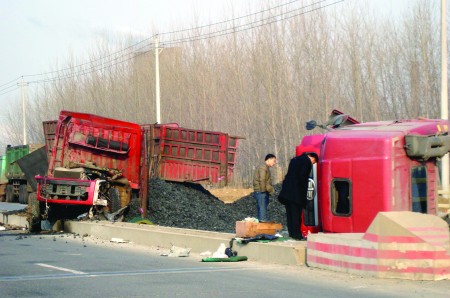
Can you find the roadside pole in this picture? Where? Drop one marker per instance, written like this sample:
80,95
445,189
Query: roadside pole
444,96
157,95
24,121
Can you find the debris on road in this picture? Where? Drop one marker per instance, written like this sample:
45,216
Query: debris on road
119,240
176,251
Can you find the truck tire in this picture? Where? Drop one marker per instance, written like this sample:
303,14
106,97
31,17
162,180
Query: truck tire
34,213
114,197
9,193
23,194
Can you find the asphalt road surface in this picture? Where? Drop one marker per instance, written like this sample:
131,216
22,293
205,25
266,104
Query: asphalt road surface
67,265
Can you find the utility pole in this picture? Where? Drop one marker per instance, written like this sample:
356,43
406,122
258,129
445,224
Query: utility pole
444,93
157,95
24,122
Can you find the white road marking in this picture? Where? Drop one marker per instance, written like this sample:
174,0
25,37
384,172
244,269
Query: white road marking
78,274
60,268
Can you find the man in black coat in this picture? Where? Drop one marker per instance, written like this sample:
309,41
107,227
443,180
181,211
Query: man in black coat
293,194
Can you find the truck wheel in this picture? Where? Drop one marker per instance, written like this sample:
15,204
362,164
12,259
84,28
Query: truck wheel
114,199
23,194
34,213
9,193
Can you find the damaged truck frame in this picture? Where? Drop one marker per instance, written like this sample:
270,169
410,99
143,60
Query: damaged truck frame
366,168
97,165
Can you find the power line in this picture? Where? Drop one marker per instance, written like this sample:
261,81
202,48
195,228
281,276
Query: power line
15,80
118,60
231,20
90,62
6,92
262,21
91,69
166,33
9,87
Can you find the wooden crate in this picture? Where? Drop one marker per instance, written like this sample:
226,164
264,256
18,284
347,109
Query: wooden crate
251,229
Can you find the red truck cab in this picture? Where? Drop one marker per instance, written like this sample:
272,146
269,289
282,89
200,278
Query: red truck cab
366,168
93,159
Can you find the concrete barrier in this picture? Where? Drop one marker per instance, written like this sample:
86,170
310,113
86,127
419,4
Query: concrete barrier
285,253
404,245
14,220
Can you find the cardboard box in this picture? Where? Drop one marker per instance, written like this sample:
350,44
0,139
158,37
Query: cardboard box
251,229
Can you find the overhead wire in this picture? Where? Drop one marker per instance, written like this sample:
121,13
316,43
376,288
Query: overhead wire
92,69
164,33
101,65
202,36
6,92
263,23
233,19
82,72
15,80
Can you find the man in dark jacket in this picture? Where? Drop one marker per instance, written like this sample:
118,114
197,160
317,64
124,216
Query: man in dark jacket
294,191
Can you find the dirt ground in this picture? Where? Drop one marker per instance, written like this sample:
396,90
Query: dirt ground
444,205
230,195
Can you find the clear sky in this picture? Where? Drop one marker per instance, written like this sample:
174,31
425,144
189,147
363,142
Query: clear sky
36,34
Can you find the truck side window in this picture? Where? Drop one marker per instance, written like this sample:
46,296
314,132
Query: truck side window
419,189
340,197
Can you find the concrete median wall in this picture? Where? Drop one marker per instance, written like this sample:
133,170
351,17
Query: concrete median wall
404,245
283,253
286,253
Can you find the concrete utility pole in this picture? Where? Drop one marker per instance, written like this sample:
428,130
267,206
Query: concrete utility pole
24,122
157,95
444,93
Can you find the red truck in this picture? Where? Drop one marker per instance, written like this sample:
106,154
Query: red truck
98,164
365,168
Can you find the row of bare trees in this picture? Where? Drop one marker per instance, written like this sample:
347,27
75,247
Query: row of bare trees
264,83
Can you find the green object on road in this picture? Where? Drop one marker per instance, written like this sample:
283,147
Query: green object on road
230,259
140,220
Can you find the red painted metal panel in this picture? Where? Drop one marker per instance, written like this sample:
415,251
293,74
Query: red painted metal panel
49,135
85,140
72,146
196,155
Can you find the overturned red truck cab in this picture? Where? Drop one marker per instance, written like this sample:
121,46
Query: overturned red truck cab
93,159
98,164
365,168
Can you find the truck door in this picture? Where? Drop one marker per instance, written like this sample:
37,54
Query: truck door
311,220
311,213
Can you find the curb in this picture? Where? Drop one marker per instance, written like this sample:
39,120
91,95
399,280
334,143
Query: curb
281,253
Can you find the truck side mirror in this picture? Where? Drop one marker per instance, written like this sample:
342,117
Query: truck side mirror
310,125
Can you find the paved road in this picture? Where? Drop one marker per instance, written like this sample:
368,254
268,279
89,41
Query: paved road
64,265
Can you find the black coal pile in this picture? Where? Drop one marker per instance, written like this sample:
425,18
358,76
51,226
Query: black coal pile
190,206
